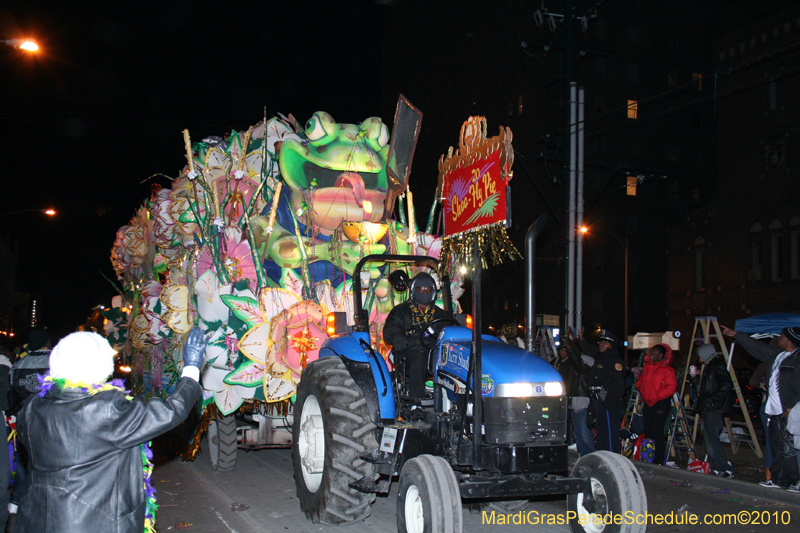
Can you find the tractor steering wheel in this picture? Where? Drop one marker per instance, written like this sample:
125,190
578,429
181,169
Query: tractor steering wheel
429,335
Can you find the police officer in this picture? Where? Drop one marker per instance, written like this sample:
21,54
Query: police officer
606,380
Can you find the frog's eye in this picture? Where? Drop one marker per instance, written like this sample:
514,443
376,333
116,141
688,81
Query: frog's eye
376,132
321,128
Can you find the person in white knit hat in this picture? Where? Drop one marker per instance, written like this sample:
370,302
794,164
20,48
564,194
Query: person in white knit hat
714,400
88,440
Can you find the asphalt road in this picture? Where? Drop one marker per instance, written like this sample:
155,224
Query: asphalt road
263,482
259,496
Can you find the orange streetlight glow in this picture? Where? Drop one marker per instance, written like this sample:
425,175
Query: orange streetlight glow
30,46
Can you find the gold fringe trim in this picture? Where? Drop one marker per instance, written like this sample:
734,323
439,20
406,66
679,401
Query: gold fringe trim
493,241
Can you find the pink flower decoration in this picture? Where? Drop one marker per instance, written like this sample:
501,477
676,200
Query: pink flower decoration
242,190
238,262
298,334
163,223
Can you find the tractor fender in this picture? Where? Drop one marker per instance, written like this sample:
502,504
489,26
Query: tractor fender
369,371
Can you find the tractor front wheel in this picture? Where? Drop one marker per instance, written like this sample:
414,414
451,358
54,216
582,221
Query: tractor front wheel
428,499
617,488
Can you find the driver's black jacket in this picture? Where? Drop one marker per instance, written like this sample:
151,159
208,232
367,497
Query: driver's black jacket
400,321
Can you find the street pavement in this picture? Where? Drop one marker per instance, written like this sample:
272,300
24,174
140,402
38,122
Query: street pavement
259,496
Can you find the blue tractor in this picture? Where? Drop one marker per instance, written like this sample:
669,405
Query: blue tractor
350,444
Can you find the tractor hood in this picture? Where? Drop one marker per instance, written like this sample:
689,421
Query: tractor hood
501,363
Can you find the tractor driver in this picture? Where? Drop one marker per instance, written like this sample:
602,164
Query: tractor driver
403,330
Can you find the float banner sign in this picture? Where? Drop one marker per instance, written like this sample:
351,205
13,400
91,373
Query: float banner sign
474,195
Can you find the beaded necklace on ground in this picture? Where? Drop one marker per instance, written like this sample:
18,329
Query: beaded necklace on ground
47,382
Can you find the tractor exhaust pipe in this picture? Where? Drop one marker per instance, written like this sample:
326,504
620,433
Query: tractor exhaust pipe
530,279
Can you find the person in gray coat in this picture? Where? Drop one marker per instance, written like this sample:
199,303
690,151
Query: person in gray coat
87,440
783,393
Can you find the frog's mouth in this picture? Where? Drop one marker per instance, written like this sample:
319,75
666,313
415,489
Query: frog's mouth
326,177
346,199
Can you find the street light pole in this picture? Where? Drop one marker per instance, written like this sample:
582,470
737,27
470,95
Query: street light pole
625,342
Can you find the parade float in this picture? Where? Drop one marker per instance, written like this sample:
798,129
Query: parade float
255,242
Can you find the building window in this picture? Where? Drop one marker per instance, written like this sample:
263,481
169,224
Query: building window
697,81
699,264
599,105
776,257
697,118
756,253
631,189
776,251
631,147
633,109
794,246
775,95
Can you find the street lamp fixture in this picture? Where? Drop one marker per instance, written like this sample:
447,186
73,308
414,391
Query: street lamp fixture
584,230
29,45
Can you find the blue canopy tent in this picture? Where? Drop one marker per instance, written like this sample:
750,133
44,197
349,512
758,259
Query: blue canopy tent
770,324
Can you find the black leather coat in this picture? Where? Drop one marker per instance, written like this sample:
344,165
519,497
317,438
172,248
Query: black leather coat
85,469
716,388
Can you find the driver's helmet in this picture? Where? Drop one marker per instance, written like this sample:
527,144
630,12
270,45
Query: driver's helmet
510,331
423,289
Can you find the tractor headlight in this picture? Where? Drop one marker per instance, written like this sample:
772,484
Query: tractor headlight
528,390
513,390
553,388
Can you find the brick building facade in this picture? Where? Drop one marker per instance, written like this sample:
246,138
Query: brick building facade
740,254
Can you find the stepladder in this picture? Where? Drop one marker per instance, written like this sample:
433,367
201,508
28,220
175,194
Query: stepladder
707,331
681,434
544,343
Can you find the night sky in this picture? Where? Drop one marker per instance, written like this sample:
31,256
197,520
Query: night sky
101,108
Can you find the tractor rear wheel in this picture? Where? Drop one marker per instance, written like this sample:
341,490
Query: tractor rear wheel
617,489
331,430
222,448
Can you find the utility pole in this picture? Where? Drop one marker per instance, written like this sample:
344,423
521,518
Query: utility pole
573,131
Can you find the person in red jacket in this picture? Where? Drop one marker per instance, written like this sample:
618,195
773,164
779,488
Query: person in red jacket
657,384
